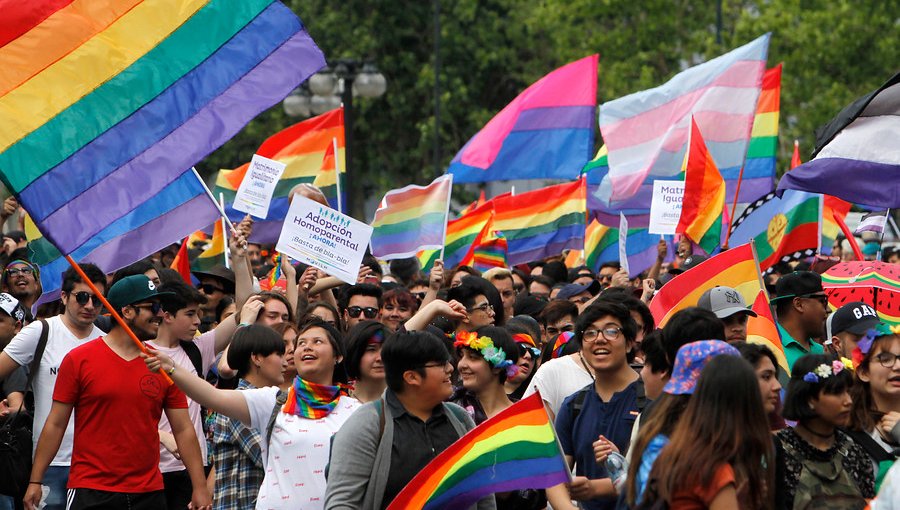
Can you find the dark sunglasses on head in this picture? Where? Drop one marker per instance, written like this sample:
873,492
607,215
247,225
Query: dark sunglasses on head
209,288
368,311
82,298
154,307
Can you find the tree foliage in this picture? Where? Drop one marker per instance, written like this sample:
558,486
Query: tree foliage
490,50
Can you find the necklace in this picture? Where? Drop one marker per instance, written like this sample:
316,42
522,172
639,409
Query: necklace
585,365
813,432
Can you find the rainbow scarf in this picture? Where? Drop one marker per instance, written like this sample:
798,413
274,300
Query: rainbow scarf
310,400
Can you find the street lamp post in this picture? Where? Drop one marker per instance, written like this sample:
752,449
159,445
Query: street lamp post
326,90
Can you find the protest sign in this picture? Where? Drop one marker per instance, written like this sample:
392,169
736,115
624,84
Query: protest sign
665,207
324,238
255,192
623,236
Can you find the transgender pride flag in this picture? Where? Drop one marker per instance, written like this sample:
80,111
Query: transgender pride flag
646,133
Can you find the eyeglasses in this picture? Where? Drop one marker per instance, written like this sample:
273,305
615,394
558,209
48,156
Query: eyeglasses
887,359
209,288
369,312
483,307
24,271
610,333
602,277
818,297
154,307
82,298
553,331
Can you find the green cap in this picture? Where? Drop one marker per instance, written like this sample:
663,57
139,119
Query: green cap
132,289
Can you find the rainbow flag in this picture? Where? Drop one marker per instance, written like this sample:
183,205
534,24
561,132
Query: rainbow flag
735,268
214,255
541,223
601,244
411,219
105,109
759,166
762,330
647,132
182,264
474,205
703,205
460,239
302,147
517,449
327,180
490,251
546,132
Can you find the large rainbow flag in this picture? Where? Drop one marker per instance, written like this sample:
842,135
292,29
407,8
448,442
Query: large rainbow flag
735,268
543,222
647,132
411,219
546,132
703,204
106,105
517,449
302,147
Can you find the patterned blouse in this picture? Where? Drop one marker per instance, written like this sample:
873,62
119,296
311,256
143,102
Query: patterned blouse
787,467
237,456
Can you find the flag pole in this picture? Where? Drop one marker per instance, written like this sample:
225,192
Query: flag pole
224,240
215,202
337,174
849,235
446,215
112,311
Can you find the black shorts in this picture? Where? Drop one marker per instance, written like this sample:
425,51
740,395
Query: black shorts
92,499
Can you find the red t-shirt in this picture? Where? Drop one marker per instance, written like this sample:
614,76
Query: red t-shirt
117,407
699,498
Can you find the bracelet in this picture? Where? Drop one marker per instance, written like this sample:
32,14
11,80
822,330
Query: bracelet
39,483
171,370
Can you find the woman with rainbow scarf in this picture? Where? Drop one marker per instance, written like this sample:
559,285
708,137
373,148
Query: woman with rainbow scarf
296,426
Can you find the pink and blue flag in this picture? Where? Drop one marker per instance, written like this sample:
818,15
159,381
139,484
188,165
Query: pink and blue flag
546,132
647,132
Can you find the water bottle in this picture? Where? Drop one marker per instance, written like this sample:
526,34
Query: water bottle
617,467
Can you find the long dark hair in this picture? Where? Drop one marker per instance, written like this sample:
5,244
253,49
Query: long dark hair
661,419
724,423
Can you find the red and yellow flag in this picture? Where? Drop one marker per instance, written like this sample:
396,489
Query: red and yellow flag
704,195
762,330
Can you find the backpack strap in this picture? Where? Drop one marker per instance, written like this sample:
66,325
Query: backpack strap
193,352
871,446
641,395
379,408
577,403
280,399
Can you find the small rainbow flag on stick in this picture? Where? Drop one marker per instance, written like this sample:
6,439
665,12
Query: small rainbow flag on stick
517,449
411,219
703,207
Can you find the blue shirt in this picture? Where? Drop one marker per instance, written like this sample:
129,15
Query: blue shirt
651,452
613,420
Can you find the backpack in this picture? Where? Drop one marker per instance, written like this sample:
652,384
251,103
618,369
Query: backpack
193,353
825,485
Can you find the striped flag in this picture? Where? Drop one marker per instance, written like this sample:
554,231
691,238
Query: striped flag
302,147
647,132
490,251
703,204
601,245
546,132
214,254
541,223
762,330
101,121
411,219
182,264
780,227
327,180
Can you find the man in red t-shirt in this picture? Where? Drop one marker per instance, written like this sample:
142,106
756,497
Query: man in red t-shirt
118,404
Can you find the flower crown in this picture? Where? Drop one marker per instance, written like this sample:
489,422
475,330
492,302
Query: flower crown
824,371
484,345
865,343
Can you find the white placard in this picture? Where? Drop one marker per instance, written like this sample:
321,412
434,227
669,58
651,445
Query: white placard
665,207
255,192
322,237
623,236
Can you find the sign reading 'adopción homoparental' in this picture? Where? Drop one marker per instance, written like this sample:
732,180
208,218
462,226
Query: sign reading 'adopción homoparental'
324,238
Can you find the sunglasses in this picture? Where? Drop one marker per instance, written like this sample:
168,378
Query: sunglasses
154,307
368,311
419,295
82,298
208,288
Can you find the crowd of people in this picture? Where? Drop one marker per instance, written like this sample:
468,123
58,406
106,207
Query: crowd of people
312,393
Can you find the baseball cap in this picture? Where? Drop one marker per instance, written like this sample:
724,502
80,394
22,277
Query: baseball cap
856,317
799,284
573,289
11,306
133,289
693,261
690,360
724,302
